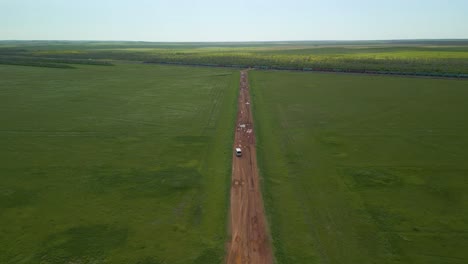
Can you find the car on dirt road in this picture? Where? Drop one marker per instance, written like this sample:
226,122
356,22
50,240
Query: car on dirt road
238,152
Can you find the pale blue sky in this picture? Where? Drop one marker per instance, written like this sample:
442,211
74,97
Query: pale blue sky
240,20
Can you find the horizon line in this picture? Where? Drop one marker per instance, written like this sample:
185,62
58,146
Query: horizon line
238,41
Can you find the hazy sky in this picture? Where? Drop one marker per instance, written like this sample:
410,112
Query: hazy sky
240,20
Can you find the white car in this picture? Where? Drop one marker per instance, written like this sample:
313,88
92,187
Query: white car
238,152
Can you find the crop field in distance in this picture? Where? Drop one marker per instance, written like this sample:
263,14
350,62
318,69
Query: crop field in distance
363,169
423,57
128,163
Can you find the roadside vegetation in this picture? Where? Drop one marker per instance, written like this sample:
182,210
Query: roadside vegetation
123,164
363,169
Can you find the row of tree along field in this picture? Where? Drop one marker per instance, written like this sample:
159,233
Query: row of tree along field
432,67
63,63
444,60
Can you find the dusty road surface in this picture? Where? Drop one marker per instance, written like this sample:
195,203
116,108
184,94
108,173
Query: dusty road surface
249,238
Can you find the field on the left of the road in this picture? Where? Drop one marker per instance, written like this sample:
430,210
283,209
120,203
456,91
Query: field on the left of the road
122,164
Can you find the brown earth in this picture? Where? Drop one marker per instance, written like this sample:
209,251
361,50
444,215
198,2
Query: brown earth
249,238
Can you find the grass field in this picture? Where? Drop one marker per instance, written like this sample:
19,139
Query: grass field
363,169
121,164
105,159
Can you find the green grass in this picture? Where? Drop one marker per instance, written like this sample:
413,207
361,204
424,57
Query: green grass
363,169
132,163
122,164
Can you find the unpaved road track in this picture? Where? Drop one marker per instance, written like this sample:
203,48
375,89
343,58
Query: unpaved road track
249,239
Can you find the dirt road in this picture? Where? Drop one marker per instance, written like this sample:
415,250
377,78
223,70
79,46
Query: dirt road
249,240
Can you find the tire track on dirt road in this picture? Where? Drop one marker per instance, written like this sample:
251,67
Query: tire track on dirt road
249,241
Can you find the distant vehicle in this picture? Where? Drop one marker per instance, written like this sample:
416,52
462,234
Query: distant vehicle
238,152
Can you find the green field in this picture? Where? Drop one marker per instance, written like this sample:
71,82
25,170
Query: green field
421,57
120,164
363,169
105,159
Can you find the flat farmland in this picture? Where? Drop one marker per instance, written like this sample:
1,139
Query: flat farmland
428,58
363,169
120,164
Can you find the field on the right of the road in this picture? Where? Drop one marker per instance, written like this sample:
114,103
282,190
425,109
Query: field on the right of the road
363,169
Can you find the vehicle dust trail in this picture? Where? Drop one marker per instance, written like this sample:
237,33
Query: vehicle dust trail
249,238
